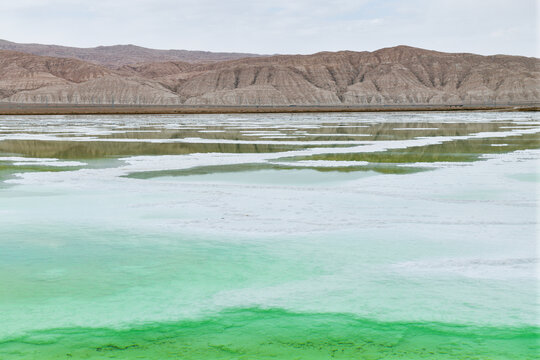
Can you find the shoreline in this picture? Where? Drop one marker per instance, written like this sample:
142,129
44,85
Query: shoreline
66,109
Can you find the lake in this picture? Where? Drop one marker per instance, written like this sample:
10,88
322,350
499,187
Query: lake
409,235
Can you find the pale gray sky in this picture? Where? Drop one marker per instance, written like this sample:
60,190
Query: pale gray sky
278,26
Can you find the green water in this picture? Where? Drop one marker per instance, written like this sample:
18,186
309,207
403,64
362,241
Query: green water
276,333
352,236
331,173
450,151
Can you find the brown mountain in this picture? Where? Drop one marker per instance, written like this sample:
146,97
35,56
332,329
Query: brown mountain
118,55
398,75
29,78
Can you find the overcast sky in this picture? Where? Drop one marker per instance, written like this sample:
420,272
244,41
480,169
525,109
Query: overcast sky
278,26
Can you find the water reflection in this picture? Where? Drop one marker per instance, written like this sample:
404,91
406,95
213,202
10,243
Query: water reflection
101,149
299,137
449,151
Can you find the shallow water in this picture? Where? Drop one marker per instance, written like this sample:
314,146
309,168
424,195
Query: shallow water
354,236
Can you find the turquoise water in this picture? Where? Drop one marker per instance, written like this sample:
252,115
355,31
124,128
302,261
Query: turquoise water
302,249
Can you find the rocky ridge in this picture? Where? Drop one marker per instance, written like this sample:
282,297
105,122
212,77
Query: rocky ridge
118,55
392,76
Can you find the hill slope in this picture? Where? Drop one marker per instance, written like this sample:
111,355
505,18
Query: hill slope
27,78
398,75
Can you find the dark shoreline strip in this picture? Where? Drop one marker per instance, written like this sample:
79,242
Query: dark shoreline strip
65,109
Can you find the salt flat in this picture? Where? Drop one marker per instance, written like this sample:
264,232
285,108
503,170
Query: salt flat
383,235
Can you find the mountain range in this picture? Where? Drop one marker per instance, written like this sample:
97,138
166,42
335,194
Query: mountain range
131,75
118,55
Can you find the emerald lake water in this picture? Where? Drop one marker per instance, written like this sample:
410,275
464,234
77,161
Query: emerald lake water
282,236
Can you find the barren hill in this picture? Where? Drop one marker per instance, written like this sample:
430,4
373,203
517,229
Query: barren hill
118,55
41,79
393,76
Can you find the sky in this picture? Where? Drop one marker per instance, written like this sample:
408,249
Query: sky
278,26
